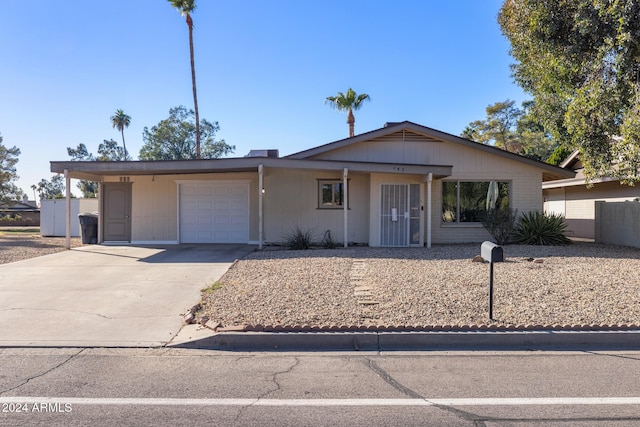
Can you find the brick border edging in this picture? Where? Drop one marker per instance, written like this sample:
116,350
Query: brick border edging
425,328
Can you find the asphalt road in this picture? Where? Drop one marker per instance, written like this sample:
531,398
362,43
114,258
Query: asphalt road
195,387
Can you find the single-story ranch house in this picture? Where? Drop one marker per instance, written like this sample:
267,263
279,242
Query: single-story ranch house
401,185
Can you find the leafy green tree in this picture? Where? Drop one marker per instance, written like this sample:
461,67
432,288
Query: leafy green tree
186,7
8,159
51,189
512,129
107,151
174,138
559,155
580,61
120,120
80,154
348,102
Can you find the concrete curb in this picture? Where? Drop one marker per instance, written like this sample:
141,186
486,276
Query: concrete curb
415,341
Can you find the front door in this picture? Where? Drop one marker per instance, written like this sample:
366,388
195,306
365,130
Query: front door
400,215
117,212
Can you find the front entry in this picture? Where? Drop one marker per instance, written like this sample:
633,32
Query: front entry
400,215
117,212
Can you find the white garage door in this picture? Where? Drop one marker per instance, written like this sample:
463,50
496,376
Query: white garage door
214,212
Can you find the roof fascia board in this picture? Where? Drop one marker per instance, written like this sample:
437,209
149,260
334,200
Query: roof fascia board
93,170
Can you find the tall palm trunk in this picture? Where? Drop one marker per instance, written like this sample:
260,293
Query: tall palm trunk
351,120
123,144
193,83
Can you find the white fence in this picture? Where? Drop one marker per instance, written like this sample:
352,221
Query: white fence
618,223
53,216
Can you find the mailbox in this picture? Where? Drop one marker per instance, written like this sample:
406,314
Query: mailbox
491,252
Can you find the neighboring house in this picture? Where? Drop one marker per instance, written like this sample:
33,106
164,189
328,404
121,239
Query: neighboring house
25,212
401,185
573,199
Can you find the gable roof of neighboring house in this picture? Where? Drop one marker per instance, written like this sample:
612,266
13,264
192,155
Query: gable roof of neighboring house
18,207
550,172
574,163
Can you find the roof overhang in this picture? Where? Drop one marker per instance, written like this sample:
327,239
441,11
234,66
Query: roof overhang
549,172
574,182
95,171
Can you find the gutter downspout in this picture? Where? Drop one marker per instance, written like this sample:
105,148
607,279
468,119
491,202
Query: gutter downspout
345,174
67,183
260,197
429,182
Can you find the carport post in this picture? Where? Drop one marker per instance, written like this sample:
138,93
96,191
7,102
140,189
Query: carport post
260,196
345,205
67,184
429,183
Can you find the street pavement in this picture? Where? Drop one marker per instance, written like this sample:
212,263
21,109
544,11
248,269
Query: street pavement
171,386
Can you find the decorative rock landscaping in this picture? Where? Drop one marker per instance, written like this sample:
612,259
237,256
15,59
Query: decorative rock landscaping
583,286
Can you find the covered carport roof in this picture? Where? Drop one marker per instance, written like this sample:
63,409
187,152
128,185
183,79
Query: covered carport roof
95,170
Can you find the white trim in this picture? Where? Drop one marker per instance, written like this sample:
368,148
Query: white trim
207,181
576,182
116,243
345,203
260,205
155,242
429,195
67,180
101,210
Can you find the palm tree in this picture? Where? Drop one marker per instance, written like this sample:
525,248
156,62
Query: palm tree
121,120
185,7
348,102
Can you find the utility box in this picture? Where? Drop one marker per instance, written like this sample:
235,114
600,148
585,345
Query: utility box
491,252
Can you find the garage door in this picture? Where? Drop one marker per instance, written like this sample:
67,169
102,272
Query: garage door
214,212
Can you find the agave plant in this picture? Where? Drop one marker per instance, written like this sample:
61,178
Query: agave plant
536,228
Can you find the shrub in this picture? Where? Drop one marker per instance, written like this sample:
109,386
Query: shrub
500,223
299,239
535,228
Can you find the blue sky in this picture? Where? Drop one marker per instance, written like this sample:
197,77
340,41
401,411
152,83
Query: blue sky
263,70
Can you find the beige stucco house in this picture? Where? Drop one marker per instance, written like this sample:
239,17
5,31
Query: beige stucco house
401,185
576,201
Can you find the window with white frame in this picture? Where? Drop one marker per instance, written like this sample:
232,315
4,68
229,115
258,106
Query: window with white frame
468,201
330,193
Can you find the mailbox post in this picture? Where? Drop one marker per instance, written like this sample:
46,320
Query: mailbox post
491,253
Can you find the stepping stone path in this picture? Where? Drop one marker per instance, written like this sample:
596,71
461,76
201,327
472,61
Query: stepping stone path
361,289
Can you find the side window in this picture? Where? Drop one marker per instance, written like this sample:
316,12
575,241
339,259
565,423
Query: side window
330,194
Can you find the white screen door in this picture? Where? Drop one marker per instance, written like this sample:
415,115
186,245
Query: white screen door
400,215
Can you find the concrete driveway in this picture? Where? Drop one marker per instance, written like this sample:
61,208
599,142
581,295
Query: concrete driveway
107,296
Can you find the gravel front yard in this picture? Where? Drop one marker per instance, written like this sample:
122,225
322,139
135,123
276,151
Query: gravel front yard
580,284
18,243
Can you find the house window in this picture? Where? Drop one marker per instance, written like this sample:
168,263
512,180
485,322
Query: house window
330,194
468,201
